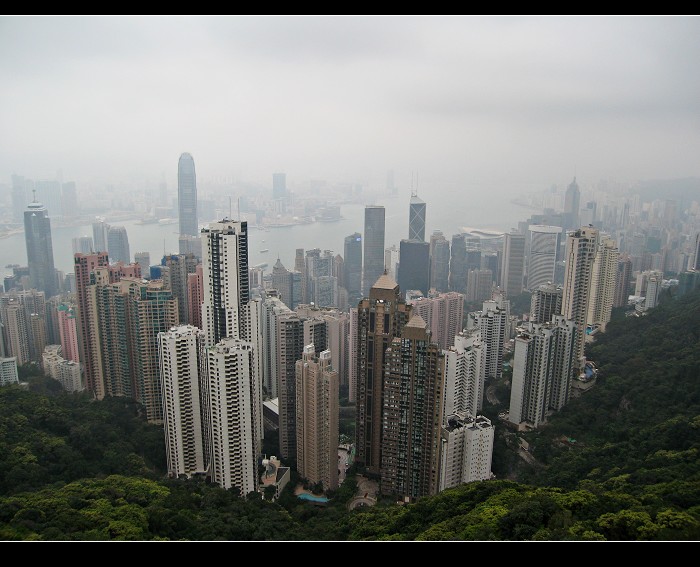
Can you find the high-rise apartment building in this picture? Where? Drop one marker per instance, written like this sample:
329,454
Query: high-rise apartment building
465,373
175,269
187,195
373,246
195,296
492,321
545,302
543,368
412,413
317,418
380,318
572,203
604,275
444,314
37,235
581,247
68,331
479,285
467,449
622,281
179,351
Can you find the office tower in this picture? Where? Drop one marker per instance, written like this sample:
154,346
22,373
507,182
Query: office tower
412,413
86,266
545,303
352,256
439,261
8,371
68,331
444,314
467,449
143,259
82,244
391,261
100,230
472,256
187,195
317,418
15,328
195,296
465,373
492,261
299,263
542,257
279,185
544,364
414,265
479,285
572,201
622,281
179,351
603,276
37,235
458,264
225,276
587,214
380,318
416,218
71,208
581,246
512,263
326,291
374,247
118,245
231,401
177,268
492,321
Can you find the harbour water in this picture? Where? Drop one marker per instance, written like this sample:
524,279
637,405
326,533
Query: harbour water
265,246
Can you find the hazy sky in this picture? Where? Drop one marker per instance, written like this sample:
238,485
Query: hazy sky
510,100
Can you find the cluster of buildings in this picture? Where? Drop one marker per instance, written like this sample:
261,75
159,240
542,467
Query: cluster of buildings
211,346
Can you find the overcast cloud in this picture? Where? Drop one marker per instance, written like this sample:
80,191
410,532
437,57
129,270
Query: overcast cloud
517,101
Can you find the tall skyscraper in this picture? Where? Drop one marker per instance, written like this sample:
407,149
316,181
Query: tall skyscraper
542,257
68,330
374,246
414,265
143,259
37,234
187,195
604,275
317,418
179,351
416,218
282,282
231,409
225,274
352,256
279,185
581,247
572,200
467,449
545,303
439,261
512,264
465,373
479,285
543,368
380,318
100,230
118,244
458,264
391,261
412,413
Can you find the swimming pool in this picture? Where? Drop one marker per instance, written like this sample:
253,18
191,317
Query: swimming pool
312,498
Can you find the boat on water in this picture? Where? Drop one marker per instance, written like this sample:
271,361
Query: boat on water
147,220
167,221
265,250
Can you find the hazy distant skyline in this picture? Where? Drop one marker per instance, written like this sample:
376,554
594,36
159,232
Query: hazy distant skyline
511,101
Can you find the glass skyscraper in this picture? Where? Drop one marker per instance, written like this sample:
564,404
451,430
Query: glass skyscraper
374,246
187,195
37,234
